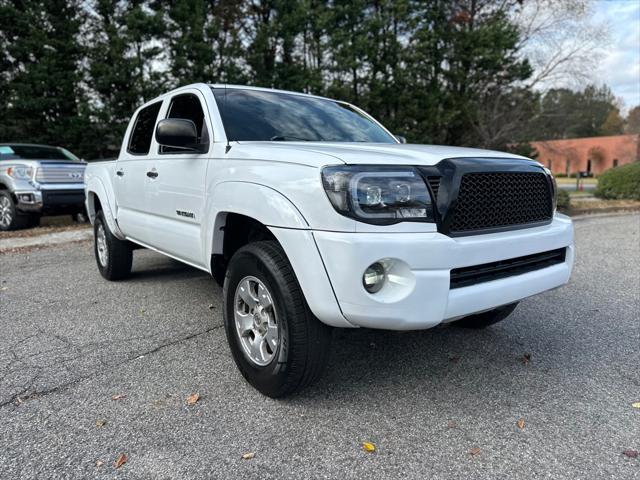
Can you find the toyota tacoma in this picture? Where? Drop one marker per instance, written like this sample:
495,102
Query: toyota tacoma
312,215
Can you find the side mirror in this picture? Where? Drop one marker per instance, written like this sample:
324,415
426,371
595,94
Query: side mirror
401,139
179,133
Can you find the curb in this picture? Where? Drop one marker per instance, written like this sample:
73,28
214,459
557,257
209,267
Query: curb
15,244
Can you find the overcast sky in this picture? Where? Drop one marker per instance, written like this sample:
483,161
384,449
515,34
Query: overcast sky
620,62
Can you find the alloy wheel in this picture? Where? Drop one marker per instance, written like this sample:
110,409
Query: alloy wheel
101,244
256,321
5,212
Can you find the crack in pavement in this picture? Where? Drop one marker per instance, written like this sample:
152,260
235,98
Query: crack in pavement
20,397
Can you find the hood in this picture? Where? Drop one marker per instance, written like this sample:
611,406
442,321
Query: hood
34,162
61,162
325,153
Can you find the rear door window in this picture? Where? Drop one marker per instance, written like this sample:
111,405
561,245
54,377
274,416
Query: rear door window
142,133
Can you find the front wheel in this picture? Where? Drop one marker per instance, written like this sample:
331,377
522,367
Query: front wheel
10,219
485,319
113,256
276,342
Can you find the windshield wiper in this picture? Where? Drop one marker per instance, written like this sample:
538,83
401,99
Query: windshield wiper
284,138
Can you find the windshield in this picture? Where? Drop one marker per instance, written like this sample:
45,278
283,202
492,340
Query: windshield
256,115
35,152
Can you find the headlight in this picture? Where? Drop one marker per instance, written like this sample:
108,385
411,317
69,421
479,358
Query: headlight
20,172
378,195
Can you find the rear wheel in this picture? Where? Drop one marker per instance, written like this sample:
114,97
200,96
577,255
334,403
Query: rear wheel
113,256
276,342
485,319
10,219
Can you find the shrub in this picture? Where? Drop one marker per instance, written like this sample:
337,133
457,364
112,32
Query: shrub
564,201
620,182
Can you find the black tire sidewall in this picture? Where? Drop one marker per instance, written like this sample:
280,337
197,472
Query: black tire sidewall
272,377
119,258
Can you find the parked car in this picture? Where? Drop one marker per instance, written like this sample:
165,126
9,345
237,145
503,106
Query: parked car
312,215
38,180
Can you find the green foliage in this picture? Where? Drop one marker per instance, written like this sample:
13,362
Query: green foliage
566,113
620,183
41,76
613,124
564,200
633,120
522,148
436,71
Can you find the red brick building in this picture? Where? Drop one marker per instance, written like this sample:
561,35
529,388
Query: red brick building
594,154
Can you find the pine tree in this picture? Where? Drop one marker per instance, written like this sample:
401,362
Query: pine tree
122,45
41,83
203,40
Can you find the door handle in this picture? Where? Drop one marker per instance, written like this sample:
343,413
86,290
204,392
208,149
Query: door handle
120,173
152,174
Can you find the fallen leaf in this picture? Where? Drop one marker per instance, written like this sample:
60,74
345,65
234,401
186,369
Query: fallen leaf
99,463
121,460
368,447
474,451
193,399
631,453
636,405
100,423
211,307
526,358
248,455
520,423
118,397
142,310
452,424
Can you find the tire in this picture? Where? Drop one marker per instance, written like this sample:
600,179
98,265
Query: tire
303,341
485,319
10,219
33,221
114,257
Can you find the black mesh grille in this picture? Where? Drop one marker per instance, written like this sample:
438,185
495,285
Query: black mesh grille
494,200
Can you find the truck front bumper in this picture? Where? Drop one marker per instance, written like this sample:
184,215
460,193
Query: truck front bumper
58,200
417,293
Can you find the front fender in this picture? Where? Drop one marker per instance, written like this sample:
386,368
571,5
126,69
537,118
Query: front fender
284,220
262,203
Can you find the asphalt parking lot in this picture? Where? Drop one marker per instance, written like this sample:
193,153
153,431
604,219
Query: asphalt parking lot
566,363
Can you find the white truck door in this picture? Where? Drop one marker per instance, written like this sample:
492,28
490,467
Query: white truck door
175,187
131,179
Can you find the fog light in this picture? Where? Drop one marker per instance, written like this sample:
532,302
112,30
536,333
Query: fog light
374,277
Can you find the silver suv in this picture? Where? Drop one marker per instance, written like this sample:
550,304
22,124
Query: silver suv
38,180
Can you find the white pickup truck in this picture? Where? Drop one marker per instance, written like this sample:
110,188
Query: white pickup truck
312,215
